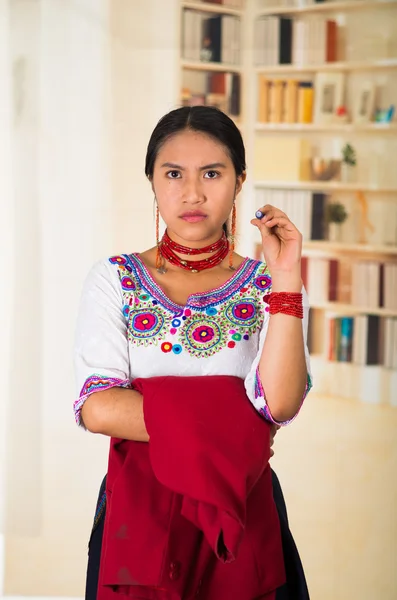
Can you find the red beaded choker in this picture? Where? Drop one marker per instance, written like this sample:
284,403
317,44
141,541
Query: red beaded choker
167,249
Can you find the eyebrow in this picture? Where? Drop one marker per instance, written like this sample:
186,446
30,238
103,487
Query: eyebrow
217,165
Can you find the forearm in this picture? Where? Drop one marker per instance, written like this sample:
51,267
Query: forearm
116,412
282,366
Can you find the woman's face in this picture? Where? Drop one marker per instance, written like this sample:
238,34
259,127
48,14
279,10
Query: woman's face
195,185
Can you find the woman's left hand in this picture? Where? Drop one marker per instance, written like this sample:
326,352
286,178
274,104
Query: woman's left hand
281,240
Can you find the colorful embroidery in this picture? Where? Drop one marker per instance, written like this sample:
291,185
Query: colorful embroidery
96,383
243,313
202,336
263,282
265,412
212,321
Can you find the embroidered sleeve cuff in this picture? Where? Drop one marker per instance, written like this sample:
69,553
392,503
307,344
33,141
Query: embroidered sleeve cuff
264,410
93,384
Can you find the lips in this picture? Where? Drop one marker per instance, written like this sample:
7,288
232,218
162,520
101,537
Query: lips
193,216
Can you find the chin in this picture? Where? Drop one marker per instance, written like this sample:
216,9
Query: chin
195,232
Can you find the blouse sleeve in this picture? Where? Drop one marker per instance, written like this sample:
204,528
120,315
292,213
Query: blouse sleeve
253,384
101,358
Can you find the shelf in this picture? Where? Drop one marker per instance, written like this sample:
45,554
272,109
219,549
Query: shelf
365,65
327,248
376,128
326,7
210,66
219,9
353,310
325,186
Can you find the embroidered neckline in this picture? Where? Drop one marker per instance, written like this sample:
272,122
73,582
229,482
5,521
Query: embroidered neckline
200,299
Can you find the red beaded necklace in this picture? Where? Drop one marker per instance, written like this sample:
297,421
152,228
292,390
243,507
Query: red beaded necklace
167,249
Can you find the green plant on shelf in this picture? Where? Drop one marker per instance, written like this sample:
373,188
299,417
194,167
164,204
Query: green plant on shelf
336,213
349,155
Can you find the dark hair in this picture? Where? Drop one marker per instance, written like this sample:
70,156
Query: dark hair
206,119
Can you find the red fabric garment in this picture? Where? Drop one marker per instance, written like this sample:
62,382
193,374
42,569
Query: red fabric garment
193,509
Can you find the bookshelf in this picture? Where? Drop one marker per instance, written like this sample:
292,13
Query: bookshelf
210,67
325,186
211,62
370,198
346,128
325,7
375,188
330,248
217,9
338,307
345,66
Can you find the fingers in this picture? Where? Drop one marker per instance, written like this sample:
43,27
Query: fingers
273,218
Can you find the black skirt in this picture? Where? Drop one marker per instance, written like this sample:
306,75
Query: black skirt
295,587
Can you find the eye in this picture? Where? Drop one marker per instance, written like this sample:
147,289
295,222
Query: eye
211,174
173,174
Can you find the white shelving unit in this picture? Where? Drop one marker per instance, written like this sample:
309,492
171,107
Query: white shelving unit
345,128
211,67
325,186
326,7
348,309
365,65
325,248
383,70
212,8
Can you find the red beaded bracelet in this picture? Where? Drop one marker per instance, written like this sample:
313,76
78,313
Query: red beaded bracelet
287,303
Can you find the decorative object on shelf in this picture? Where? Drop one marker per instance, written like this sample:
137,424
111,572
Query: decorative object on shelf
341,115
365,223
323,169
385,115
206,50
330,90
349,162
335,215
364,104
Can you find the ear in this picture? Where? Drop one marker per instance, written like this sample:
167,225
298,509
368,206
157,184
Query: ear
239,182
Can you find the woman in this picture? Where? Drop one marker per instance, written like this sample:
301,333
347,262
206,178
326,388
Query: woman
191,305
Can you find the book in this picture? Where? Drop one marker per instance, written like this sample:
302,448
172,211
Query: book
263,99
305,102
319,201
331,41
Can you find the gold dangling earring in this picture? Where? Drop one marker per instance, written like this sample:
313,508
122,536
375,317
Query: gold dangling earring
232,237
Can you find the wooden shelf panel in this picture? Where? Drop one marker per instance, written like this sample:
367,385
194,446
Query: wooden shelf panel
365,65
331,248
326,7
337,307
220,9
376,128
325,186
210,66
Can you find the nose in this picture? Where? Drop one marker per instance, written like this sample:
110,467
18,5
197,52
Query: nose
193,191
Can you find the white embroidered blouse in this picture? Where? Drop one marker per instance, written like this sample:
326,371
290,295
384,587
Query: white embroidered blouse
127,328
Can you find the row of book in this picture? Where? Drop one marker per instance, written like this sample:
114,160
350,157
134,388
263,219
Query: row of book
304,208
211,38
299,41
363,340
285,101
308,210
368,284
223,90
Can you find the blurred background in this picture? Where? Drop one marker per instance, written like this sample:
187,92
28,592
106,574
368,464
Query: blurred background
312,85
